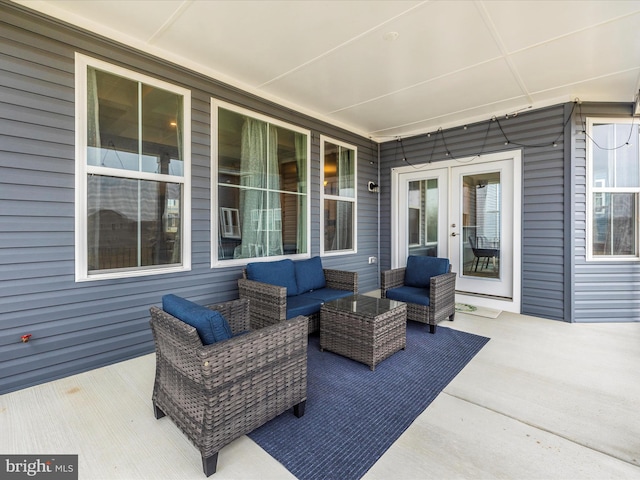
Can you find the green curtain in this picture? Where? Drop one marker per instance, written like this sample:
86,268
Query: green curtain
259,199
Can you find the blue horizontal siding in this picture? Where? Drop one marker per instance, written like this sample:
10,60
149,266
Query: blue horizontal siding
543,235
604,291
79,326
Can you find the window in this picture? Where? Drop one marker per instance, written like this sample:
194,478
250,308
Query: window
132,173
261,190
338,196
613,187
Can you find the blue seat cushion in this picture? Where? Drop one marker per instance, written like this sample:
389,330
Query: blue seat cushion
210,324
281,273
302,305
328,294
309,275
417,295
420,270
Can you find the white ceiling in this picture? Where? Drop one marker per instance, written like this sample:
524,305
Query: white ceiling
452,63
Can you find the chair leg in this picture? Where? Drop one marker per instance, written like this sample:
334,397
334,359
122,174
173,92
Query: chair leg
432,328
452,316
298,410
209,464
157,412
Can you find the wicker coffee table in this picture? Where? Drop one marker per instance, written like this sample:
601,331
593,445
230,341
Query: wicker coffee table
365,329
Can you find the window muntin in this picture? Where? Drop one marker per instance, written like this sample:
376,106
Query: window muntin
613,189
338,195
262,170
132,182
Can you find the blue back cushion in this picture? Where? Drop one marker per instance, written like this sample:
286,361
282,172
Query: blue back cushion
309,275
420,270
210,324
281,273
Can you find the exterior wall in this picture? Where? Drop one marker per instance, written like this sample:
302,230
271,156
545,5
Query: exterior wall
80,326
545,234
603,291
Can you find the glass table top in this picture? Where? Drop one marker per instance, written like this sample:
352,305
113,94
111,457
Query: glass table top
363,305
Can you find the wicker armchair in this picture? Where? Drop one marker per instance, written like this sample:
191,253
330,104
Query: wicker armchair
441,292
217,393
269,302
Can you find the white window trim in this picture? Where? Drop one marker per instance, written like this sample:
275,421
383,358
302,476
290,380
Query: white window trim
82,170
215,261
590,190
354,200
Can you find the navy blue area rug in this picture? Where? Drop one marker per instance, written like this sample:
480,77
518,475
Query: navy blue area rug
353,415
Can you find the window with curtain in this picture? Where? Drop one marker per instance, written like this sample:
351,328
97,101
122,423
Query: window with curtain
262,186
133,164
613,188
338,196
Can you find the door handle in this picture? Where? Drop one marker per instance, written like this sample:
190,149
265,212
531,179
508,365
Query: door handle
454,234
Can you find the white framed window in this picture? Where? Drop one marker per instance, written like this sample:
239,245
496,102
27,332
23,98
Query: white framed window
133,173
338,197
613,189
260,179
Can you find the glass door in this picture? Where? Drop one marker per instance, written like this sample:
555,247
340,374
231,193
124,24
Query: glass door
423,203
467,210
481,228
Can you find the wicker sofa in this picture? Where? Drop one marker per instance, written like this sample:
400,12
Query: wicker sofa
426,285
216,393
283,289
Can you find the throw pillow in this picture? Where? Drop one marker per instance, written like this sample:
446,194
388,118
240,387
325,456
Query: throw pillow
281,273
210,324
309,275
420,270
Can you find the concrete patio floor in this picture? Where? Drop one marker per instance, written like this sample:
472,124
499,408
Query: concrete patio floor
542,400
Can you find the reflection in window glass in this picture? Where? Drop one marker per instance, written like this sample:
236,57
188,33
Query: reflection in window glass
118,110
614,224
423,217
338,231
132,223
133,128
615,167
481,222
339,194
262,188
614,189
414,201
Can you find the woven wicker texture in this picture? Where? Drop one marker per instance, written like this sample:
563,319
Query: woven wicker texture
442,297
217,393
364,337
269,302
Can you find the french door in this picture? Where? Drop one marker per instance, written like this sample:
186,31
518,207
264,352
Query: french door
468,211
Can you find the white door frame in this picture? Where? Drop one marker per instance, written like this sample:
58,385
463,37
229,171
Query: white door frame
398,257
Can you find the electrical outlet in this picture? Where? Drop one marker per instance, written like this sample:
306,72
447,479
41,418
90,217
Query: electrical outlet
372,260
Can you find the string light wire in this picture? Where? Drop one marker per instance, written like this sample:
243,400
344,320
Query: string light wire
583,124
507,141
